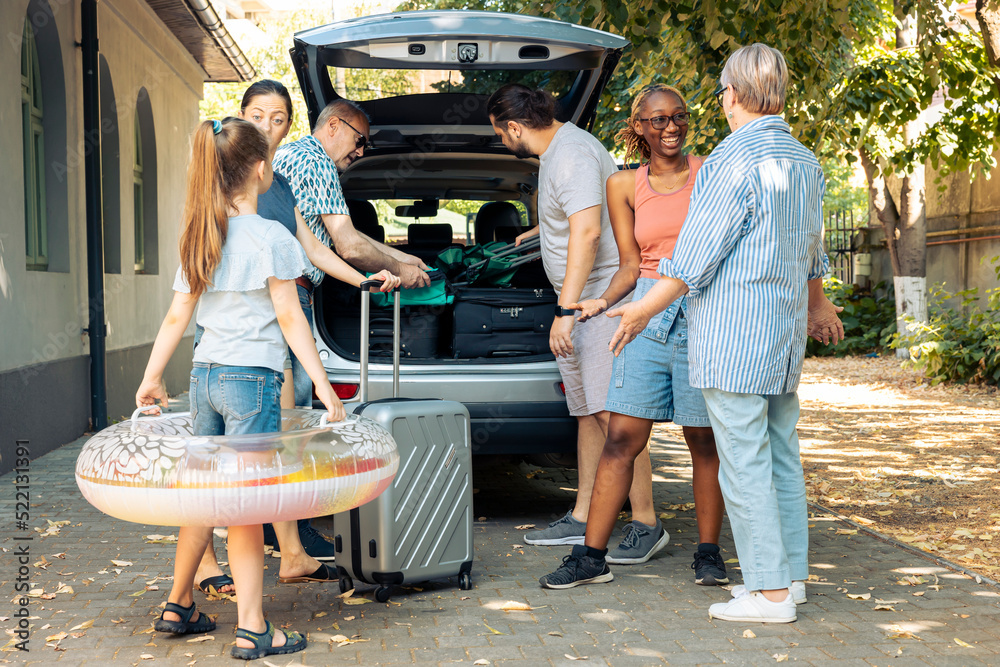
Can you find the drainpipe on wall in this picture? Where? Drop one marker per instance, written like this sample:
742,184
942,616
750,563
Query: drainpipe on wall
96,328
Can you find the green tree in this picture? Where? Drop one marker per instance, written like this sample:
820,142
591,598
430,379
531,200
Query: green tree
864,76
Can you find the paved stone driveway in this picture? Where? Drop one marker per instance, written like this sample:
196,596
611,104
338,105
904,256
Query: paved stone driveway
650,614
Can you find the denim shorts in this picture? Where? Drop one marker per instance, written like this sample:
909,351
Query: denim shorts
300,379
649,379
235,400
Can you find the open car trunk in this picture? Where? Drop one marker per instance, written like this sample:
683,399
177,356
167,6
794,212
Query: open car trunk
432,140
507,324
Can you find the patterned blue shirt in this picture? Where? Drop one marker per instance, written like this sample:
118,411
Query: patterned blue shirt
751,240
316,186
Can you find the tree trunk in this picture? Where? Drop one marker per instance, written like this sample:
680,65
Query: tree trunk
910,233
988,15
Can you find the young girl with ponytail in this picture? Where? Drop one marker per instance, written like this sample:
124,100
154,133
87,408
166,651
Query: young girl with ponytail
242,268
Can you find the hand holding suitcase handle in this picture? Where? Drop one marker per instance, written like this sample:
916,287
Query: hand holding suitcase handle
374,286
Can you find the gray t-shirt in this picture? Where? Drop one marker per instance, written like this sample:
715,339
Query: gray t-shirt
241,326
572,174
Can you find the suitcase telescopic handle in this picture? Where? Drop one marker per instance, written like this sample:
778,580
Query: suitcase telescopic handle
367,287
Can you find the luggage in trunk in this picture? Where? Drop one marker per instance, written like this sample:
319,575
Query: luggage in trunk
420,528
502,322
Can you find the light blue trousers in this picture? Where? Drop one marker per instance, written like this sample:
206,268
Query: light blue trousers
762,483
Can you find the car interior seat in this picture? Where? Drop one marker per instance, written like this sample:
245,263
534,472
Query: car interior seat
427,239
497,221
365,219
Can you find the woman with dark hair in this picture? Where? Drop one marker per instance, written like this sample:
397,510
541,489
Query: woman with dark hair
267,105
650,379
750,259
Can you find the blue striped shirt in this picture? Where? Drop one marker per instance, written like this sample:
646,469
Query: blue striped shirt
751,240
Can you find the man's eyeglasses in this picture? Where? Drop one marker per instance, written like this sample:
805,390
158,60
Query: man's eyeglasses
362,140
719,93
680,119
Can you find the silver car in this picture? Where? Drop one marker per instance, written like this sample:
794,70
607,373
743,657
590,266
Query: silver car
431,142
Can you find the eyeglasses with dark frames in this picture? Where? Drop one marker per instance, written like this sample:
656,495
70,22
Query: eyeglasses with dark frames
362,140
719,93
680,119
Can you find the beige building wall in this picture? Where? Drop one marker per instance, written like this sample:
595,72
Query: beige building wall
44,360
956,203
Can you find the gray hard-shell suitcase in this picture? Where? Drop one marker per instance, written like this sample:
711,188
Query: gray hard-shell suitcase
420,528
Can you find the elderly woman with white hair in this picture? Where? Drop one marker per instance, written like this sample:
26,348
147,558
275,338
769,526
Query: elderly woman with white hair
750,258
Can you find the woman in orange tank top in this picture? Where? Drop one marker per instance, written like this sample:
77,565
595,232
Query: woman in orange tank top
650,378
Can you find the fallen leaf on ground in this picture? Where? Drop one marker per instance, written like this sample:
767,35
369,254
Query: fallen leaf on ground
961,643
733,560
884,607
57,637
904,634
481,662
201,638
780,657
83,626
748,634
147,656
493,630
524,526
515,606
575,657
859,596
357,601
556,634
121,563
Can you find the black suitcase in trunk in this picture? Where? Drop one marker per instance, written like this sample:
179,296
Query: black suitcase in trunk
502,322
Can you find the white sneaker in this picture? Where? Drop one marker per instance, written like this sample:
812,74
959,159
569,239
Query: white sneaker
797,589
754,608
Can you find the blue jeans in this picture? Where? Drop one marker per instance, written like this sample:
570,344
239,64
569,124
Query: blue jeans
300,379
762,483
235,400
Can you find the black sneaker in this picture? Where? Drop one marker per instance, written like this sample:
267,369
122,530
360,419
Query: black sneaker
709,568
576,569
315,544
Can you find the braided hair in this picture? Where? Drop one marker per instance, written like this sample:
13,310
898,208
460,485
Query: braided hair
635,144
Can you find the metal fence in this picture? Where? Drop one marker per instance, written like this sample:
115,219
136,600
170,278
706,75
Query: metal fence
838,238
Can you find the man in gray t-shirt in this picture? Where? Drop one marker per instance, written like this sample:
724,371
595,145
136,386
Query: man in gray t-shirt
580,257
572,172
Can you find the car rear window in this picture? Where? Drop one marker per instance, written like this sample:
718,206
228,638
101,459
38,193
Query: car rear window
379,84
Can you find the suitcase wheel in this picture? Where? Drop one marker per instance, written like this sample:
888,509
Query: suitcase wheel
383,593
465,581
346,583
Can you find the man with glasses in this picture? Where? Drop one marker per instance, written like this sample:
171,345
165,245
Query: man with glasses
311,166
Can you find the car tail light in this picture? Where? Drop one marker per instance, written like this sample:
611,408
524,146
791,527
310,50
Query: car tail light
562,388
344,390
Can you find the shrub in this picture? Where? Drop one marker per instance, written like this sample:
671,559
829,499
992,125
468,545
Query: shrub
957,344
869,320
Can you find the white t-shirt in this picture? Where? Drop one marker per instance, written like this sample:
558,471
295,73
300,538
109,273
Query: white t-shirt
241,326
572,175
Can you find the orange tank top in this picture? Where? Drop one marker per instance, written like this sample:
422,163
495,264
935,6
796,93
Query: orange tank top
658,217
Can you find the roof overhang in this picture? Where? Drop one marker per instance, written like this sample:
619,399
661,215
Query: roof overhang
200,29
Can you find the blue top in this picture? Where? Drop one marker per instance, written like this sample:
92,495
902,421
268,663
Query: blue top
315,184
751,240
241,326
278,203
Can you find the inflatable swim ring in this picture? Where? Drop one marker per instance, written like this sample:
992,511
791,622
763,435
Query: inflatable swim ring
154,471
